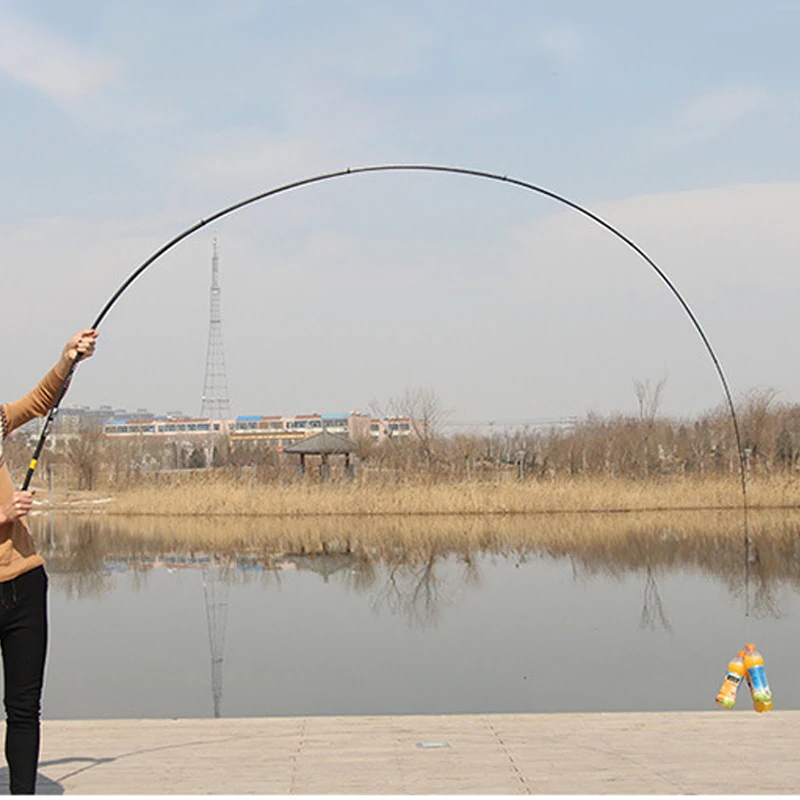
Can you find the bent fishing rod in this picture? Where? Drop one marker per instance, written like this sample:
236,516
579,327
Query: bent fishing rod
411,168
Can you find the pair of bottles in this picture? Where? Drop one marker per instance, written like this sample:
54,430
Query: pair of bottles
749,666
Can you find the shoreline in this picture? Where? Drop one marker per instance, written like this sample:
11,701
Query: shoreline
74,511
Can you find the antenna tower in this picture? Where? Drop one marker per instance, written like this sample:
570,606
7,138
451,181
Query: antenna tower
216,403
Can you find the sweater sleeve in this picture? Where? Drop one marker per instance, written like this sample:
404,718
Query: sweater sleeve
35,404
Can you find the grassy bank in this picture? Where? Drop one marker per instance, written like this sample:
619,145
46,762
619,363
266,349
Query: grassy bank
205,494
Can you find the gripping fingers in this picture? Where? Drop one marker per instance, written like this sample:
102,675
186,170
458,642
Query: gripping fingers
86,342
19,505
81,345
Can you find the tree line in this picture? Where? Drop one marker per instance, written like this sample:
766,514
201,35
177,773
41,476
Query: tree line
641,446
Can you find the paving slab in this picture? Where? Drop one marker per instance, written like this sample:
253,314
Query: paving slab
713,752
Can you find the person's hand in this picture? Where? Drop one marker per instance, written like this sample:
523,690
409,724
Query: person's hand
17,506
83,343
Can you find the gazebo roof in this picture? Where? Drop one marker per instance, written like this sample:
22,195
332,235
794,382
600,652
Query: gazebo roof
324,443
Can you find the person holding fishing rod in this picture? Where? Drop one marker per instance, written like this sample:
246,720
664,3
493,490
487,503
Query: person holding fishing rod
23,583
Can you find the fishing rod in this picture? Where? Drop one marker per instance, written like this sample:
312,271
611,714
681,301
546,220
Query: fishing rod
474,173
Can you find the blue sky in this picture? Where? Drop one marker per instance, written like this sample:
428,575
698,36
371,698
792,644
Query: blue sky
123,124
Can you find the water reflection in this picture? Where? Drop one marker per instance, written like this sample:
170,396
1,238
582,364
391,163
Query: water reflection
413,591
653,615
216,590
319,602
85,553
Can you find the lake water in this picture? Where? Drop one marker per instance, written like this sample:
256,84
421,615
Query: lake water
646,622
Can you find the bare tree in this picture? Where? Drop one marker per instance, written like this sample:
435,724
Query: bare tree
649,399
426,417
85,454
758,427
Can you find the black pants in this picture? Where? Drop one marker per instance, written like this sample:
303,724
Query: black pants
23,638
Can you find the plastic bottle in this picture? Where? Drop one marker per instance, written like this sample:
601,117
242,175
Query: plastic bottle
734,676
757,679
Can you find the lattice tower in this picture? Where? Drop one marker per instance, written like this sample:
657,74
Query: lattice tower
216,403
216,588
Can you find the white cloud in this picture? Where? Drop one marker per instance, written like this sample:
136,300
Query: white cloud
723,228
329,130
714,112
251,158
703,238
705,117
50,63
730,251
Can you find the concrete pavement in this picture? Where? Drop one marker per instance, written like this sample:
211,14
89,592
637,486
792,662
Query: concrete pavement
643,753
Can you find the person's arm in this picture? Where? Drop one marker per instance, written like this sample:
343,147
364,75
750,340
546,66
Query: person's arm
40,400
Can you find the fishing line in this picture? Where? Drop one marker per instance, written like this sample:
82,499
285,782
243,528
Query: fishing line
453,171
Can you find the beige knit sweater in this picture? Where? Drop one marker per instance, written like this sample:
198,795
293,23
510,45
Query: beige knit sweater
17,549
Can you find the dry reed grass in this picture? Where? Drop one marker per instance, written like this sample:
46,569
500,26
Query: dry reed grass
209,495
631,537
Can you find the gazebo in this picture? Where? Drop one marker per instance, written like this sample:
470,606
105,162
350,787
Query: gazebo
324,444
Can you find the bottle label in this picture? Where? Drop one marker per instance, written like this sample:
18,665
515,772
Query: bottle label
758,678
727,693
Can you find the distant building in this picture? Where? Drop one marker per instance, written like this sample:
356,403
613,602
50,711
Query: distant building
286,431
275,429
390,428
72,420
165,427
